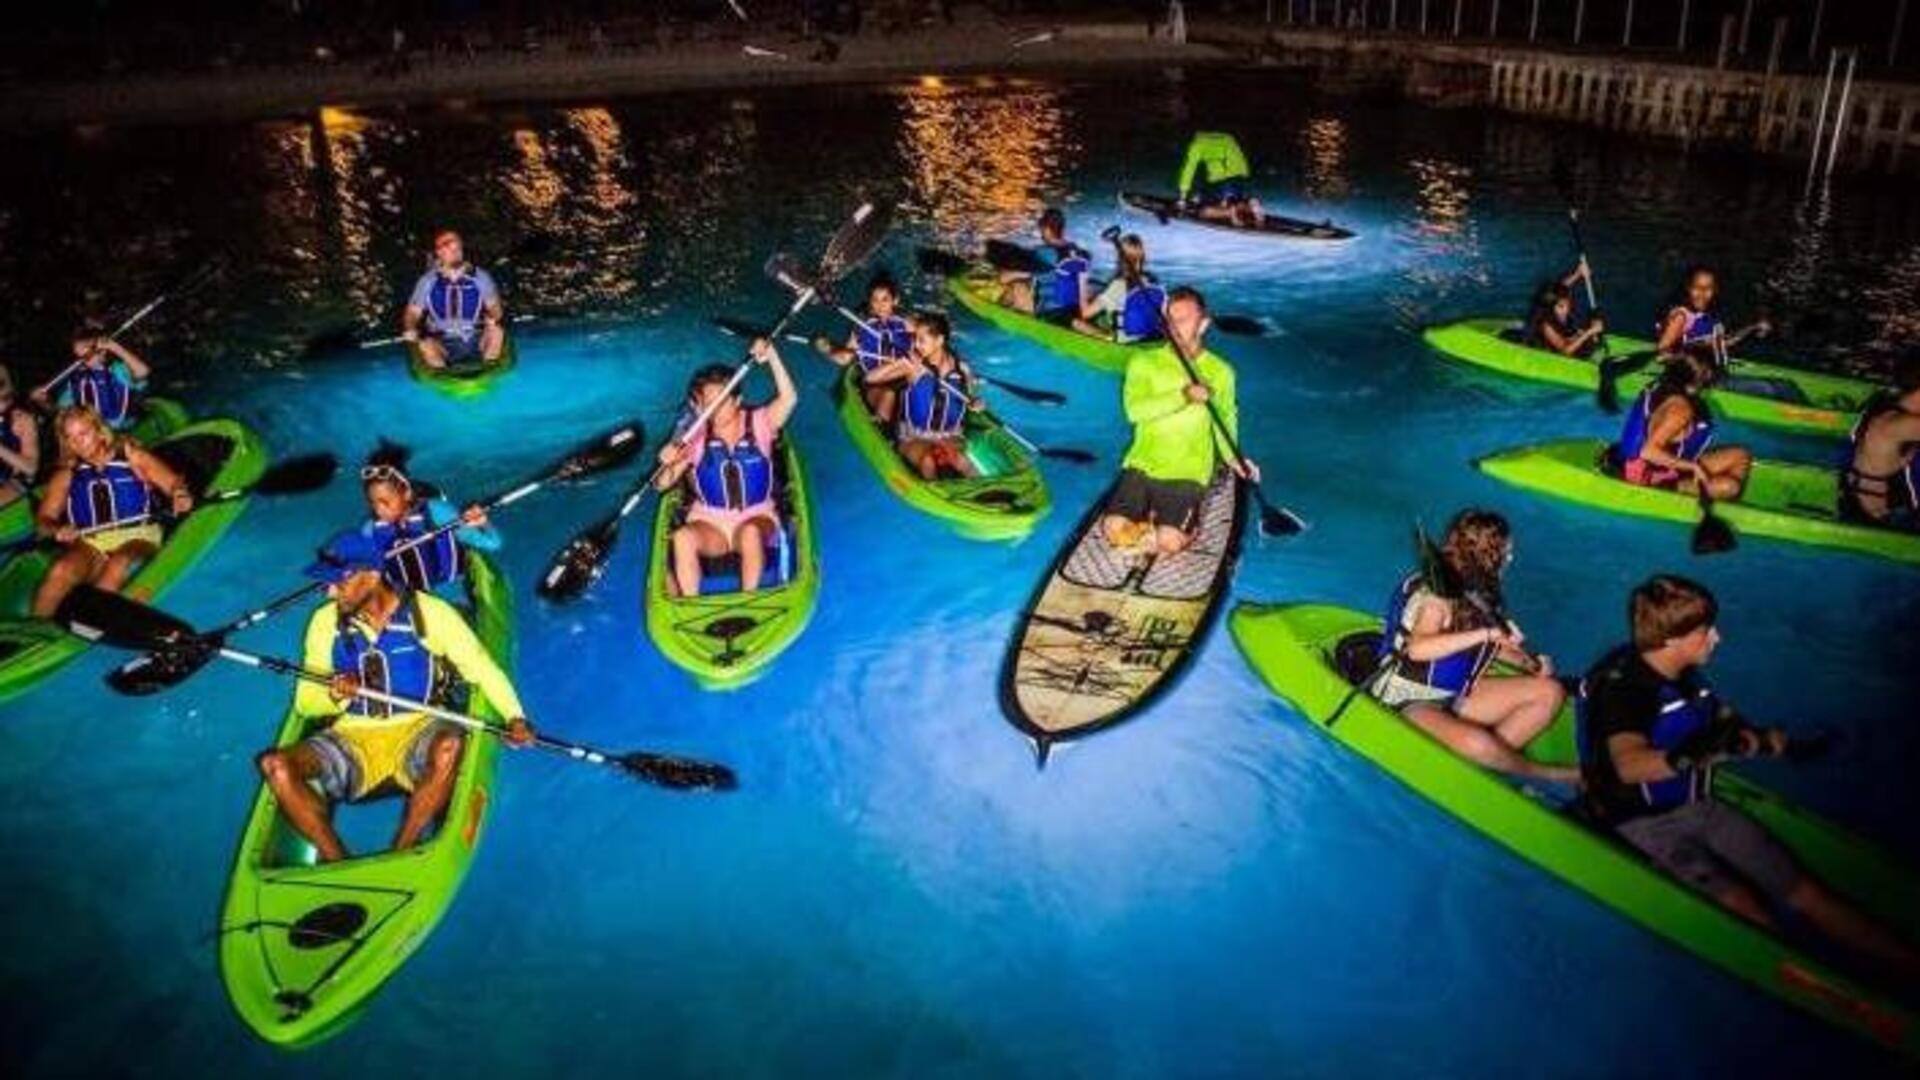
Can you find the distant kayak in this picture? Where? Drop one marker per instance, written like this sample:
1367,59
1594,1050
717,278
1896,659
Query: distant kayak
1306,653
1784,500
974,293
1167,210
1765,395
1108,631
463,380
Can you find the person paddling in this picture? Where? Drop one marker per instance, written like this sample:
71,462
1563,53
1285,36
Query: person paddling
1131,307
1444,628
1057,293
882,337
106,377
938,390
1694,325
1652,730
401,510
1175,449
19,443
1880,480
102,504
371,634
1214,180
1664,442
1555,324
454,314
728,462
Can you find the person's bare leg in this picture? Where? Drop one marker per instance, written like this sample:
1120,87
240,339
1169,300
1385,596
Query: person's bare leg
286,773
121,564
432,353
431,795
76,566
690,542
1018,296
1851,927
1516,708
1123,532
1745,903
751,543
1169,540
1478,744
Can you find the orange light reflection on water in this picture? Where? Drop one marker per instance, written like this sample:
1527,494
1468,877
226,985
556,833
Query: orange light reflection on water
980,164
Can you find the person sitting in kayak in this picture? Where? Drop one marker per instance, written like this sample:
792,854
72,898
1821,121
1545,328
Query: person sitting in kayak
403,510
1553,326
1880,481
1056,294
1214,180
102,503
1132,304
937,391
371,634
882,337
454,315
1694,326
1445,626
1652,729
1175,449
1664,442
729,463
106,377
19,443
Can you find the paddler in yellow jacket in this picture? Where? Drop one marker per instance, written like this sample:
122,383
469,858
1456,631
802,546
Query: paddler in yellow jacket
1214,180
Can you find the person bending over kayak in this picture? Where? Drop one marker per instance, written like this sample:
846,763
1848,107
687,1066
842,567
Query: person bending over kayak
102,503
1880,482
1694,326
107,377
883,336
372,635
1664,441
19,443
729,465
402,510
455,314
1651,732
1175,448
1445,626
938,390
1133,303
1057,294
1552,325
1214,180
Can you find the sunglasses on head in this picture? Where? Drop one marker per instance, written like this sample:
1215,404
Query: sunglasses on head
372,473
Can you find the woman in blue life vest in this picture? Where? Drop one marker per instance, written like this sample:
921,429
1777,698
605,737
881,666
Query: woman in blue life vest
1880,478
728,464
105,376
1132,306
1056,293
1445,626
937,391
882,337
1554,324
406,519
454,315
1668,431
103,504
19,443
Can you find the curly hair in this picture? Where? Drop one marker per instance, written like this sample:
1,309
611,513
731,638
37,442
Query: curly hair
1475,549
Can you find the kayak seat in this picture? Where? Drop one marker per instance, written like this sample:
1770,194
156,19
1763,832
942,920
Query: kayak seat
1357,656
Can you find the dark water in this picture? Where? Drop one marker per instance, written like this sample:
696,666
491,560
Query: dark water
1210,889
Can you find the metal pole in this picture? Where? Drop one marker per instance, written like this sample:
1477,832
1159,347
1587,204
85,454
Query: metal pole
1680,41
1813,40
1459,12
1533,24
1726,43
1423,18
1626,32
1746,26
1493,20
1899,27
1779,44
1579,20
1840,115
1820,128
1393,16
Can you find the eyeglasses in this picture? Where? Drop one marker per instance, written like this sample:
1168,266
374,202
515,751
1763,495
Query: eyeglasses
372,473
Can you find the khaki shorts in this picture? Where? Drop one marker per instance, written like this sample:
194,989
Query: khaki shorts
109,540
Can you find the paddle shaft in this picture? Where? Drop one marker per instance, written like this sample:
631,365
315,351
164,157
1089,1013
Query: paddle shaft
129,323
1593,297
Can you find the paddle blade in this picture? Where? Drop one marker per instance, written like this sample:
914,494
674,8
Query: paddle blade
1067,453
681,774
1607,396
150,673
297,475
1823,742
615,448
1280,521
1026,393
578,565
112,619
739,328
856,241
943,263
1239,325
1014,258
785,270
337,340
1713,535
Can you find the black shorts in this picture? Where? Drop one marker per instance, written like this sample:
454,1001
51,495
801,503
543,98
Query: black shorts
1139,497
1058,316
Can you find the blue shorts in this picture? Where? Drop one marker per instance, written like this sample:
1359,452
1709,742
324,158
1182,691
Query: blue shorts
1214,193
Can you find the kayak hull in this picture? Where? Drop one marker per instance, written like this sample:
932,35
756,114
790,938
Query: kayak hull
1167,211
1291,646
726,640
973,293
1783,500
1813,403
463,382
296,969
225,455
1005,502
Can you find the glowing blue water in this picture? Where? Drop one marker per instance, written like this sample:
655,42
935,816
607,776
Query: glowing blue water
1212,888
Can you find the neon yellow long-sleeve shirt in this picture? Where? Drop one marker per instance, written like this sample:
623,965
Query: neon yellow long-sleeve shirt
1174,438
1218,153
445,634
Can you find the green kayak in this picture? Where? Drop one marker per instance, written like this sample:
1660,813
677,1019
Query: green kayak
1004,502
214,455
1765,395
1107,355
1300,650
1783,500
305,945
465,380
723,637
159,418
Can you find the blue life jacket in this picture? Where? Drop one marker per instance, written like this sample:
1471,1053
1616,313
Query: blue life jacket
878,340
102,390
107,496
733,477
1686,707
1901,489
395,662
935,404
455,304
1455,673
423,567
1059,288
1141,317
1633,434
1701,328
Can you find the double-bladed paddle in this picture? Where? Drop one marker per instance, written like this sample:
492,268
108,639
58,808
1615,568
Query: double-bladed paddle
1274,520
116,620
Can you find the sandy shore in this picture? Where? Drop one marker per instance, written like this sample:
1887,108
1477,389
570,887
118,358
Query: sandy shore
975,43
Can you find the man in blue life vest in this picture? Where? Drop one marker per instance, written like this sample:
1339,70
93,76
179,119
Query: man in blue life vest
455,315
